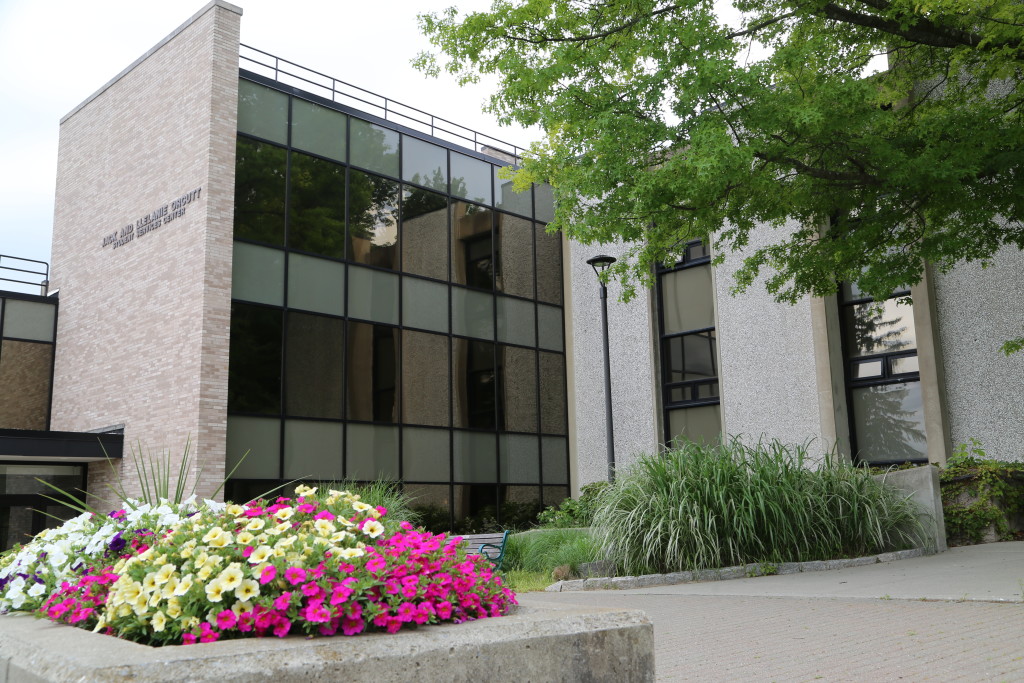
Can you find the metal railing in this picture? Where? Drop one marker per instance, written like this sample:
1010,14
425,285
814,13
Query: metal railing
17,267
328,87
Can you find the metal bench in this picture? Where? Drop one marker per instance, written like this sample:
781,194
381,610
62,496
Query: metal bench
491,546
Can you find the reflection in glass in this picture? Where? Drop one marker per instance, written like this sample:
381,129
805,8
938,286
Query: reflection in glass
257,274
889,422
904,365
424,233
474,384
425,164
425,379
318,129
552,393
702,424
472,263
425,455
25,378
868,369
316,284
372,372
545,198
691,357
514,253
476,509
424,304
259,191
314,366
312,450
316,206
475,457
260,437
879,327
372,295
516,321
549,266
262,112
520,459
471,178
373,220
373,147
549,327
472,313
254,360
517,389
431,503
519,506
507,199
29,320
371,452
687,300
554,459
554,495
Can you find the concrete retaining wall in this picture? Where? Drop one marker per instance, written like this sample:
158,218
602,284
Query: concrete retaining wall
564,644
922,485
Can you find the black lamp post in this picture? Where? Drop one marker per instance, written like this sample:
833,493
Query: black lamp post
600,264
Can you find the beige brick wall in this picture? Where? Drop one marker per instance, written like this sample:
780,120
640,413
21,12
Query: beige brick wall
143,330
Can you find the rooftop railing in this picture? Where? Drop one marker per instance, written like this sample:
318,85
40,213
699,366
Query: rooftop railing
328,87
25,271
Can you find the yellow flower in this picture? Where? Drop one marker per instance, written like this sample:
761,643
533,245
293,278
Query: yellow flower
260,555
303,490
141,605
204,573
231,577
373,528
284,513
213,533
200,560
191,623
184,585
262,539
164,574
241,606
340,536
144,556
361,507
149,583
161,560
216,561
235,510
169,587
351,553
124,610
221,541
244,538
155,599
255,524
247,590
174,608
323,527
215,590
159,622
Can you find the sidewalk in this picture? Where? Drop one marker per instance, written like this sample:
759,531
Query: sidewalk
924,619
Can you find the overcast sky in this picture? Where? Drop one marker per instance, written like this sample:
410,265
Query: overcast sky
57,53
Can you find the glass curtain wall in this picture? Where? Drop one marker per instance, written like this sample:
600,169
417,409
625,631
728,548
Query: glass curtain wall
689,357
882,379
397,314
28,327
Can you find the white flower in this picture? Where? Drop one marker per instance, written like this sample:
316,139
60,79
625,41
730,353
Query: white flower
36,590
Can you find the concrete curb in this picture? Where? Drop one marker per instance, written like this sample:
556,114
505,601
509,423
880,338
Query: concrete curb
725,574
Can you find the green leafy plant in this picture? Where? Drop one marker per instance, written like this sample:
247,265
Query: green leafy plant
700,506
981,496
574,512
542,550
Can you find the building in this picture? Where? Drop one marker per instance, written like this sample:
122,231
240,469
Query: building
257,258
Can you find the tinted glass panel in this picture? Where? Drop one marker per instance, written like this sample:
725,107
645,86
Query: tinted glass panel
424,233
545,207
549,323
552,393
261,438
257,274
472,263
519,506
554,495
517,391
516,321
316,206
473,381
868,369
471,178
373,220
262,112
316,284
879,328
373,147
424,163
520,459
476,509
372,295
549,266
312,450
554,460
25,379
425,456
425,304
29,320
687,300
259,191
514,252
702,424
318,130
314,366
691,357
476,458
507,199
425,379
371,452
889,422
904,364
432,505
372,372
472,313
254,366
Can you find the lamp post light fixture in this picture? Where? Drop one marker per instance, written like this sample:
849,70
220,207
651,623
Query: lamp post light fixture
601,264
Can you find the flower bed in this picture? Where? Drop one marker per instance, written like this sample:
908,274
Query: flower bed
198,573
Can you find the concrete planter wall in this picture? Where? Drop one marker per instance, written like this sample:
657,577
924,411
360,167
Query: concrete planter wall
570,644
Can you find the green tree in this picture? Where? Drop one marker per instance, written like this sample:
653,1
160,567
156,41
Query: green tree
665,124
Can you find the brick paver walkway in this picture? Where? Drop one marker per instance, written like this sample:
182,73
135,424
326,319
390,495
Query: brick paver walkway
740,638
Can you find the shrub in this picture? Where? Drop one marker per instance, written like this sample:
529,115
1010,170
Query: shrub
704,506
572,512
981,497
544,549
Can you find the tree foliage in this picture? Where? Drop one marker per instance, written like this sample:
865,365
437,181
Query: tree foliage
666,123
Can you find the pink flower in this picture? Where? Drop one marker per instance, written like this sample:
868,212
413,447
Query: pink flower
268,574
295,575
324,514
406,611
351,627
245,622
282,601
444,609
248,551
311,589
226,619
282,627
188,639
306,508
376,564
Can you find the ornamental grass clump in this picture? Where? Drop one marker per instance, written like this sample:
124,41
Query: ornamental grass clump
314,565
700,506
